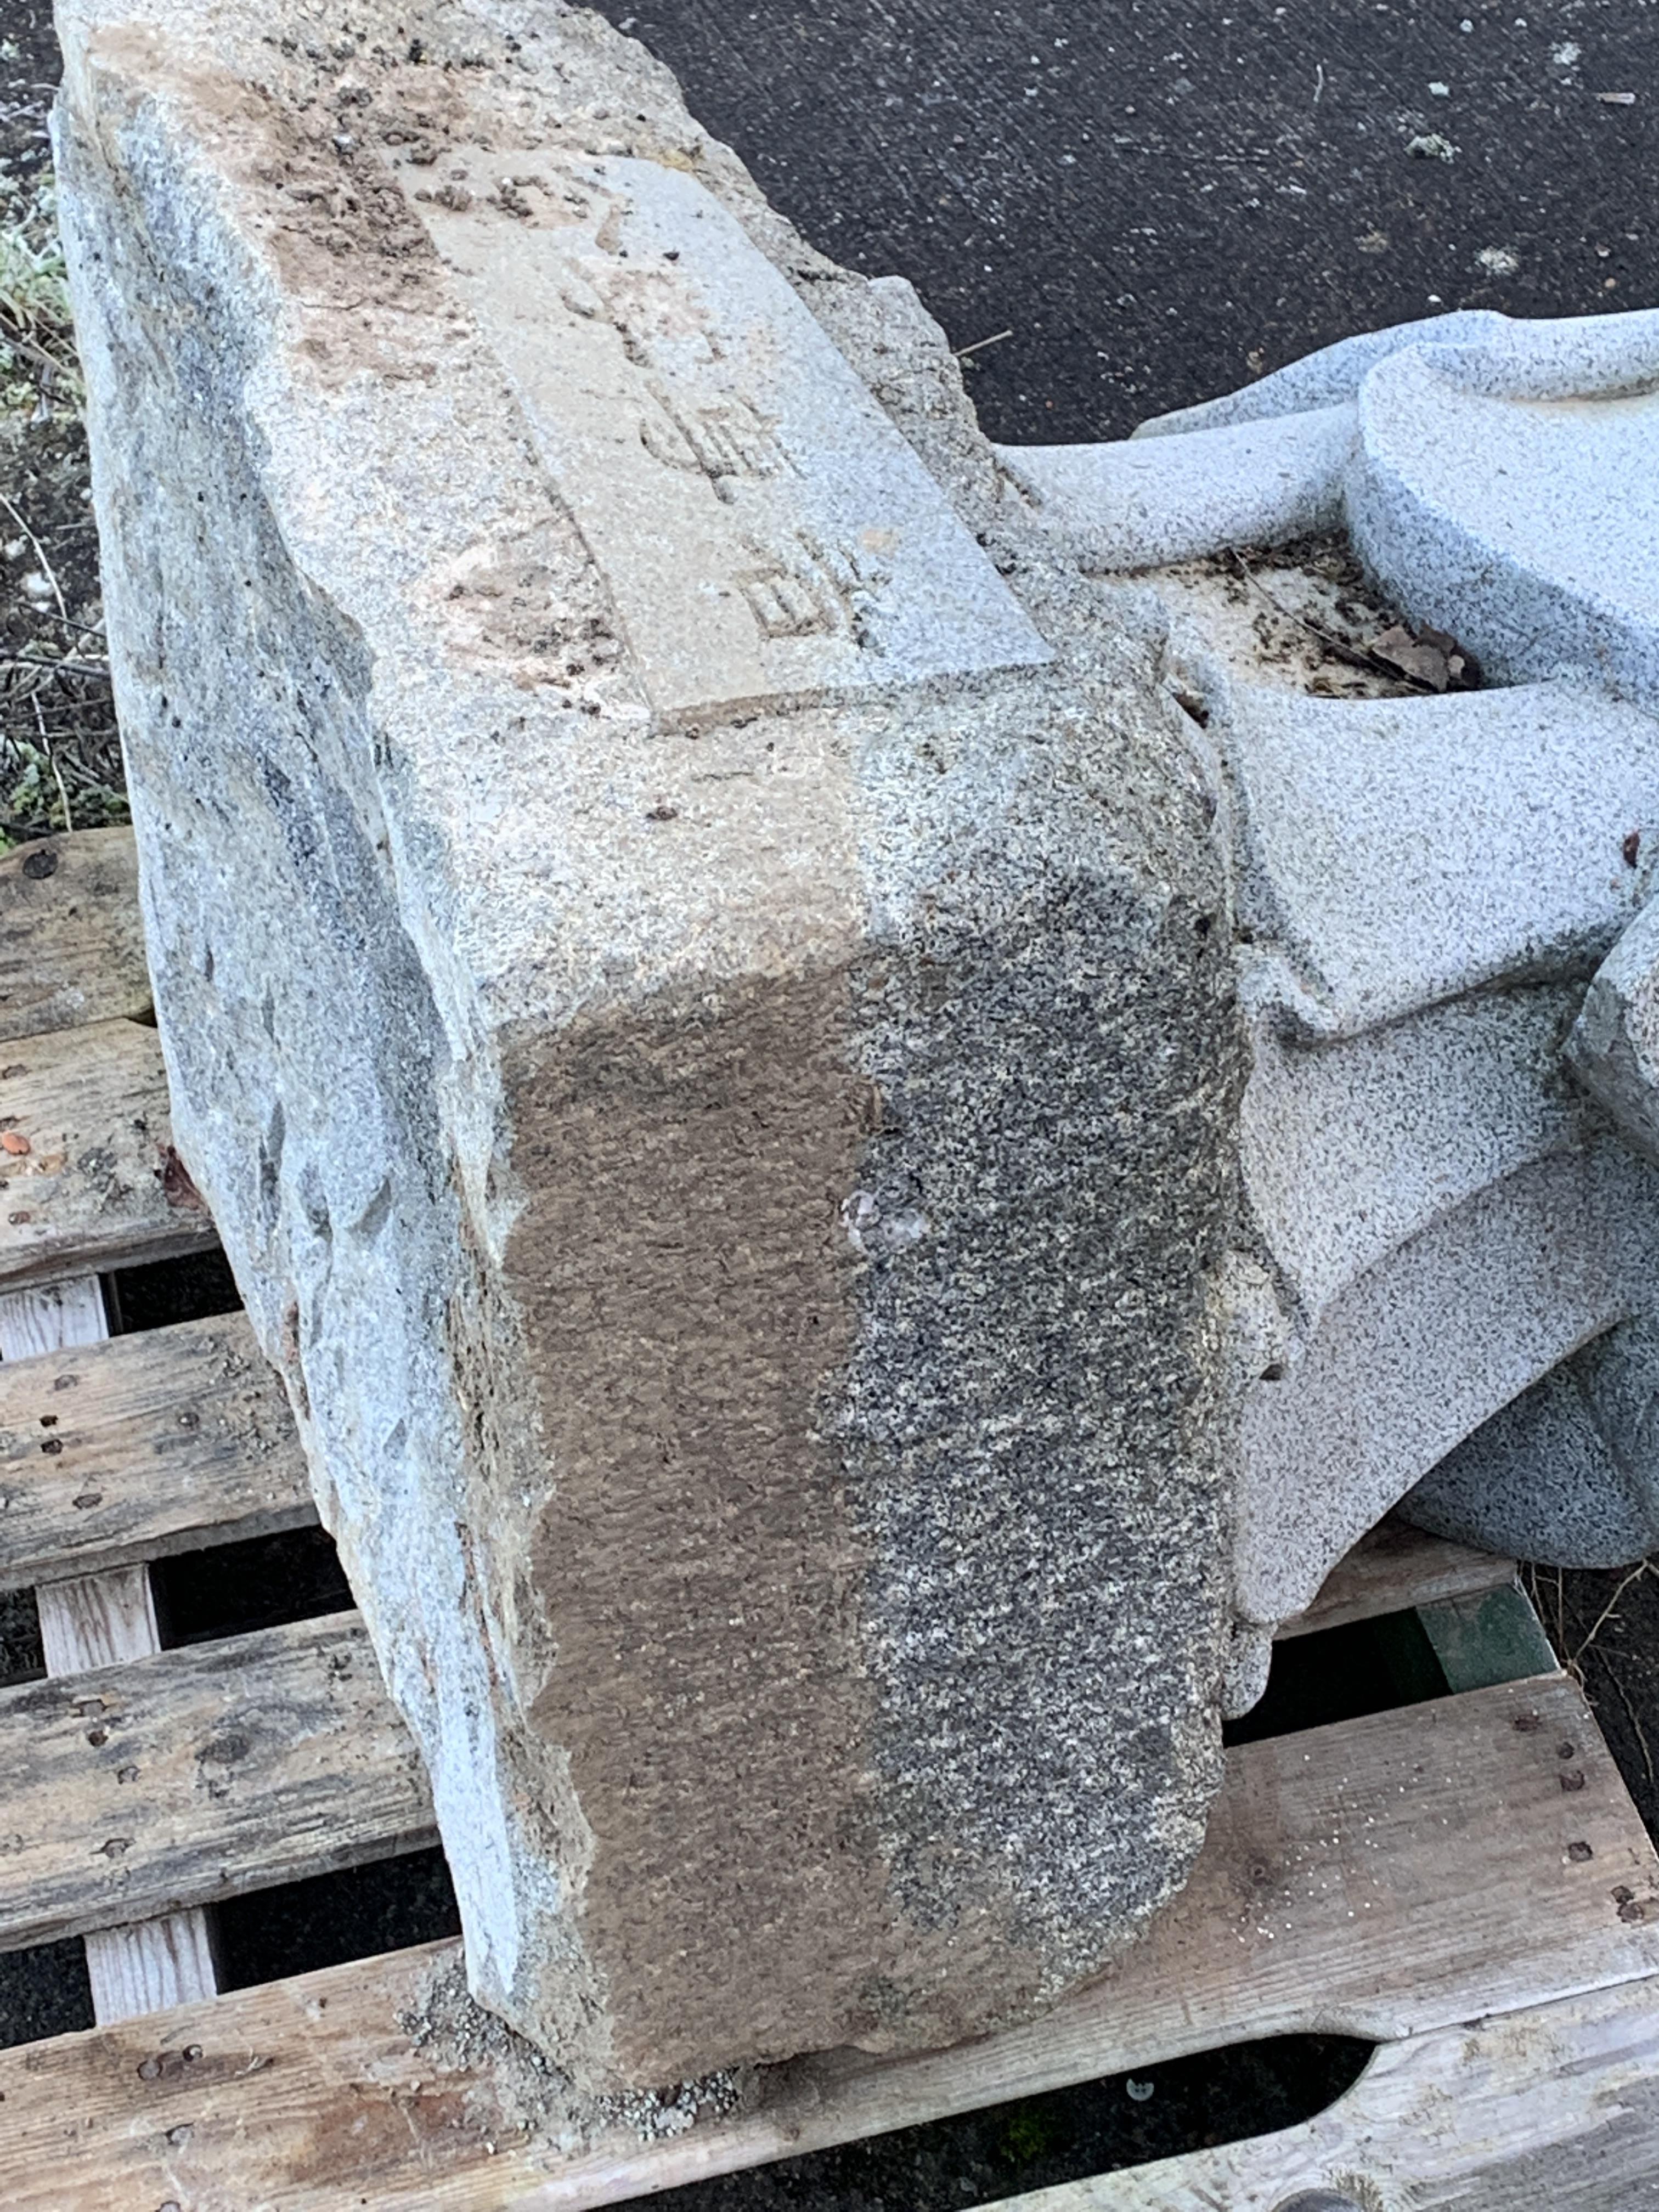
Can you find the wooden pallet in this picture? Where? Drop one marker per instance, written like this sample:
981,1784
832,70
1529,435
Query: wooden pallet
1465,1881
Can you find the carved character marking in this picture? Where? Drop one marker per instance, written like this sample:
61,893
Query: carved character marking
807,589
728,440
764,530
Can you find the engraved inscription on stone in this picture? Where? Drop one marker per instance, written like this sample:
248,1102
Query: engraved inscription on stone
765,531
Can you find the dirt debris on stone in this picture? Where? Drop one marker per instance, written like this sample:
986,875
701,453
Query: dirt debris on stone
521,2091
1296,618
1431,659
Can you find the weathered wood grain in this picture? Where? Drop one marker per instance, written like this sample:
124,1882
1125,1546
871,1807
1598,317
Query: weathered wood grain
143,1446
71,942
151,1966
40,1321
1555,2108
1397,1566
89,1179
138,1789
99,1621
1389,1877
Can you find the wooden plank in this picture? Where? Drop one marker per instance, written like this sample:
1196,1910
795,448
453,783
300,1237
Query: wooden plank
34,1324
197,1773
1555,2108
143,1446
89,1179
97,1622
1397,1566
71,941
150,1966
1388,1877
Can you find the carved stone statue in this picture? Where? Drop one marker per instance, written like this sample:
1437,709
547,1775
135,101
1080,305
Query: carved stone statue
864,1147
1446,1141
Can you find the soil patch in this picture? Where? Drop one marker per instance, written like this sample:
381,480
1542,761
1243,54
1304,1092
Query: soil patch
60,763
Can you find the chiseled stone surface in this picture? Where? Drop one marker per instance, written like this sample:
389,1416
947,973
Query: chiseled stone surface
1396,853
692,959
1615,1044
1503,470
762,526
1533,514
1452,1291
1144,502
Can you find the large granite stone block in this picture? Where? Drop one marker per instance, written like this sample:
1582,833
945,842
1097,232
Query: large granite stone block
693,963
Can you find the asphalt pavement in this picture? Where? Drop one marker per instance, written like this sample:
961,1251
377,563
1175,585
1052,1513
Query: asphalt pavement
1160,202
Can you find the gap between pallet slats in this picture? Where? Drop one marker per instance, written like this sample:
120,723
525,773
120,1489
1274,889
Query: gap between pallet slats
95,1623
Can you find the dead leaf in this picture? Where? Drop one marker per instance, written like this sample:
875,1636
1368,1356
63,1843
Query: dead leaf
1431,658
177,1187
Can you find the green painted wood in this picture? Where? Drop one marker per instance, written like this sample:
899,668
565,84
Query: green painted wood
1494,1637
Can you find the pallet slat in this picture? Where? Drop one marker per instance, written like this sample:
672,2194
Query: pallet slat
100,1620
99,1186
150,1965
1397,1566
141,1447
138,1789
1557,2106
71,941
1388,1877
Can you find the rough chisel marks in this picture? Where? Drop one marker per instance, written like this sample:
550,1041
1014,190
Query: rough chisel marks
766,532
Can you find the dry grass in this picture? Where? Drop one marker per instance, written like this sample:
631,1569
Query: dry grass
39,370
1564,1602
60,755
